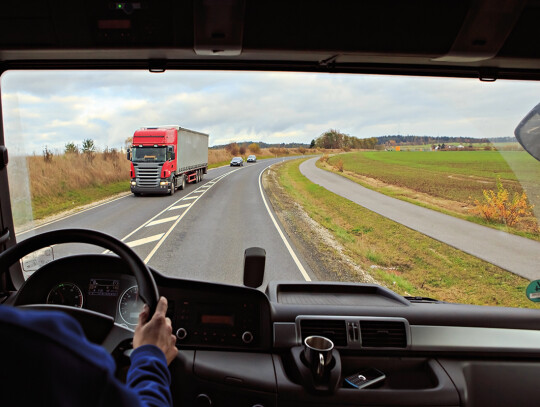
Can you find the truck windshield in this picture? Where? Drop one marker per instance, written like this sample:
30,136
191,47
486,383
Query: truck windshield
149,154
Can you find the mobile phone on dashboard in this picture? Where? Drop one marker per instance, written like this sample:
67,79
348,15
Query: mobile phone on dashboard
365,378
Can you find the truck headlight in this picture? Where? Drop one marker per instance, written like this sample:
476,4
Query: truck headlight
133,183
164,183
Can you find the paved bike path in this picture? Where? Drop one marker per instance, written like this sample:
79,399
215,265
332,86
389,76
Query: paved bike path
516,254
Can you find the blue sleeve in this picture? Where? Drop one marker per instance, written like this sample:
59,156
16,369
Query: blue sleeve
69,370
149,376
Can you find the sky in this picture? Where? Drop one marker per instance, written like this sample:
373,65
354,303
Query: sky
57,107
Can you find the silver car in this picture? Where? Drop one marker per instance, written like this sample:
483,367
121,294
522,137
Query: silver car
237,161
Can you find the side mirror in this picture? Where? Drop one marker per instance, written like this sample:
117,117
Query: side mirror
254,261
128,155
528,132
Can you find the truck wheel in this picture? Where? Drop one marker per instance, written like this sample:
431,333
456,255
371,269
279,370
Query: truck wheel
183,184
173,186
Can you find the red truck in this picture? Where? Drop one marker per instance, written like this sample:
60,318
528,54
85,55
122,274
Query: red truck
164,158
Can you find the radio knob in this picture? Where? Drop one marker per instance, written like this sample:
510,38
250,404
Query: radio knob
181,333
247,337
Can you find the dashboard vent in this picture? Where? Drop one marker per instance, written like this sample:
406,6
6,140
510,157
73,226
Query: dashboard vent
331,329
383,334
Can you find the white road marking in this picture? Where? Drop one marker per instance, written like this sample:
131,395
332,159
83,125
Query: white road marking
140,242
172,206
70,215
289,248
158,245
179,207
160,221
190,197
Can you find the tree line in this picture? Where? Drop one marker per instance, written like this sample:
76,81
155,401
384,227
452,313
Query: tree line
419,140
334,139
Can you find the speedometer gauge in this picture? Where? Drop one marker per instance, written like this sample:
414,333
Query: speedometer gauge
66,294
130,306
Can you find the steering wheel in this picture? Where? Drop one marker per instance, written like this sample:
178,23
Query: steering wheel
110,333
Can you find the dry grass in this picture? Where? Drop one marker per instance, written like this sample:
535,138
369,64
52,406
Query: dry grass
75,171
61,173
63,182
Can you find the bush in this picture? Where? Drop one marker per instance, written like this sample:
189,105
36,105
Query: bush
339,165
232,148
254,148
47,155
498,207
88,146
71,148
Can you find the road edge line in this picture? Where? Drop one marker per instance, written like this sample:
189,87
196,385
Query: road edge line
285,241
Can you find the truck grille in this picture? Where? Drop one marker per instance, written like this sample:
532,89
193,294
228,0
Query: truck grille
148,175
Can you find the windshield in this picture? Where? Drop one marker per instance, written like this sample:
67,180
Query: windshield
149,154
417,184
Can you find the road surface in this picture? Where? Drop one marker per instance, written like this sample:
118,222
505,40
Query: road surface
516,254
199,233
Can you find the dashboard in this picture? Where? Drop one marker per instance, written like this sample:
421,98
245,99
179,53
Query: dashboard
242,347
202,315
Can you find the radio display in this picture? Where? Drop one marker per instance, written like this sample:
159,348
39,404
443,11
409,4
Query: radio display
217,319
103,287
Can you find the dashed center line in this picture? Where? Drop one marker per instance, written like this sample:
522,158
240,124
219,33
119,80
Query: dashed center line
164,220
145,240
176,219
179,207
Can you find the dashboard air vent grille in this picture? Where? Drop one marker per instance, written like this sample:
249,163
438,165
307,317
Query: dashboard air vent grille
331,329
383,334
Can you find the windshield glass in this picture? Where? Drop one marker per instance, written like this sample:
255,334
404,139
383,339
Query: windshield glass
149,154
417,184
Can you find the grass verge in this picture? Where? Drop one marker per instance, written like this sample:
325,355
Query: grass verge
44,206
406,261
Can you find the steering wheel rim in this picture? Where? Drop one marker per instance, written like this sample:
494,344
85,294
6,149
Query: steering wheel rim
147,286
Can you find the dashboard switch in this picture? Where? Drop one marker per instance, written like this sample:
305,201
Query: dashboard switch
181,333
247,337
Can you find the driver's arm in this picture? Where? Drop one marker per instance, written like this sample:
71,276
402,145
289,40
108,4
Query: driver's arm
154,348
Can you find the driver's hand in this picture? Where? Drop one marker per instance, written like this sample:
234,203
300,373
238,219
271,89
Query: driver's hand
157,331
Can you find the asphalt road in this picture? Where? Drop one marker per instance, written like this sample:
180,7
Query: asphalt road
199,233
516,254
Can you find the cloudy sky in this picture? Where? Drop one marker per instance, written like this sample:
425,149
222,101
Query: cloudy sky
55,108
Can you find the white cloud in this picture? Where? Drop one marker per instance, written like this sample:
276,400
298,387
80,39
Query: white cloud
57,107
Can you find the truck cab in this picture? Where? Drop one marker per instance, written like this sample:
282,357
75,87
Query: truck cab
153,163
164,158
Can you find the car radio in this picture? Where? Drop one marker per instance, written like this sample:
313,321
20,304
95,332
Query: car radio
211,324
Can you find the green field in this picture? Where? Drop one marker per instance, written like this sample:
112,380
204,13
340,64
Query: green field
405,260
509,146
458,177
